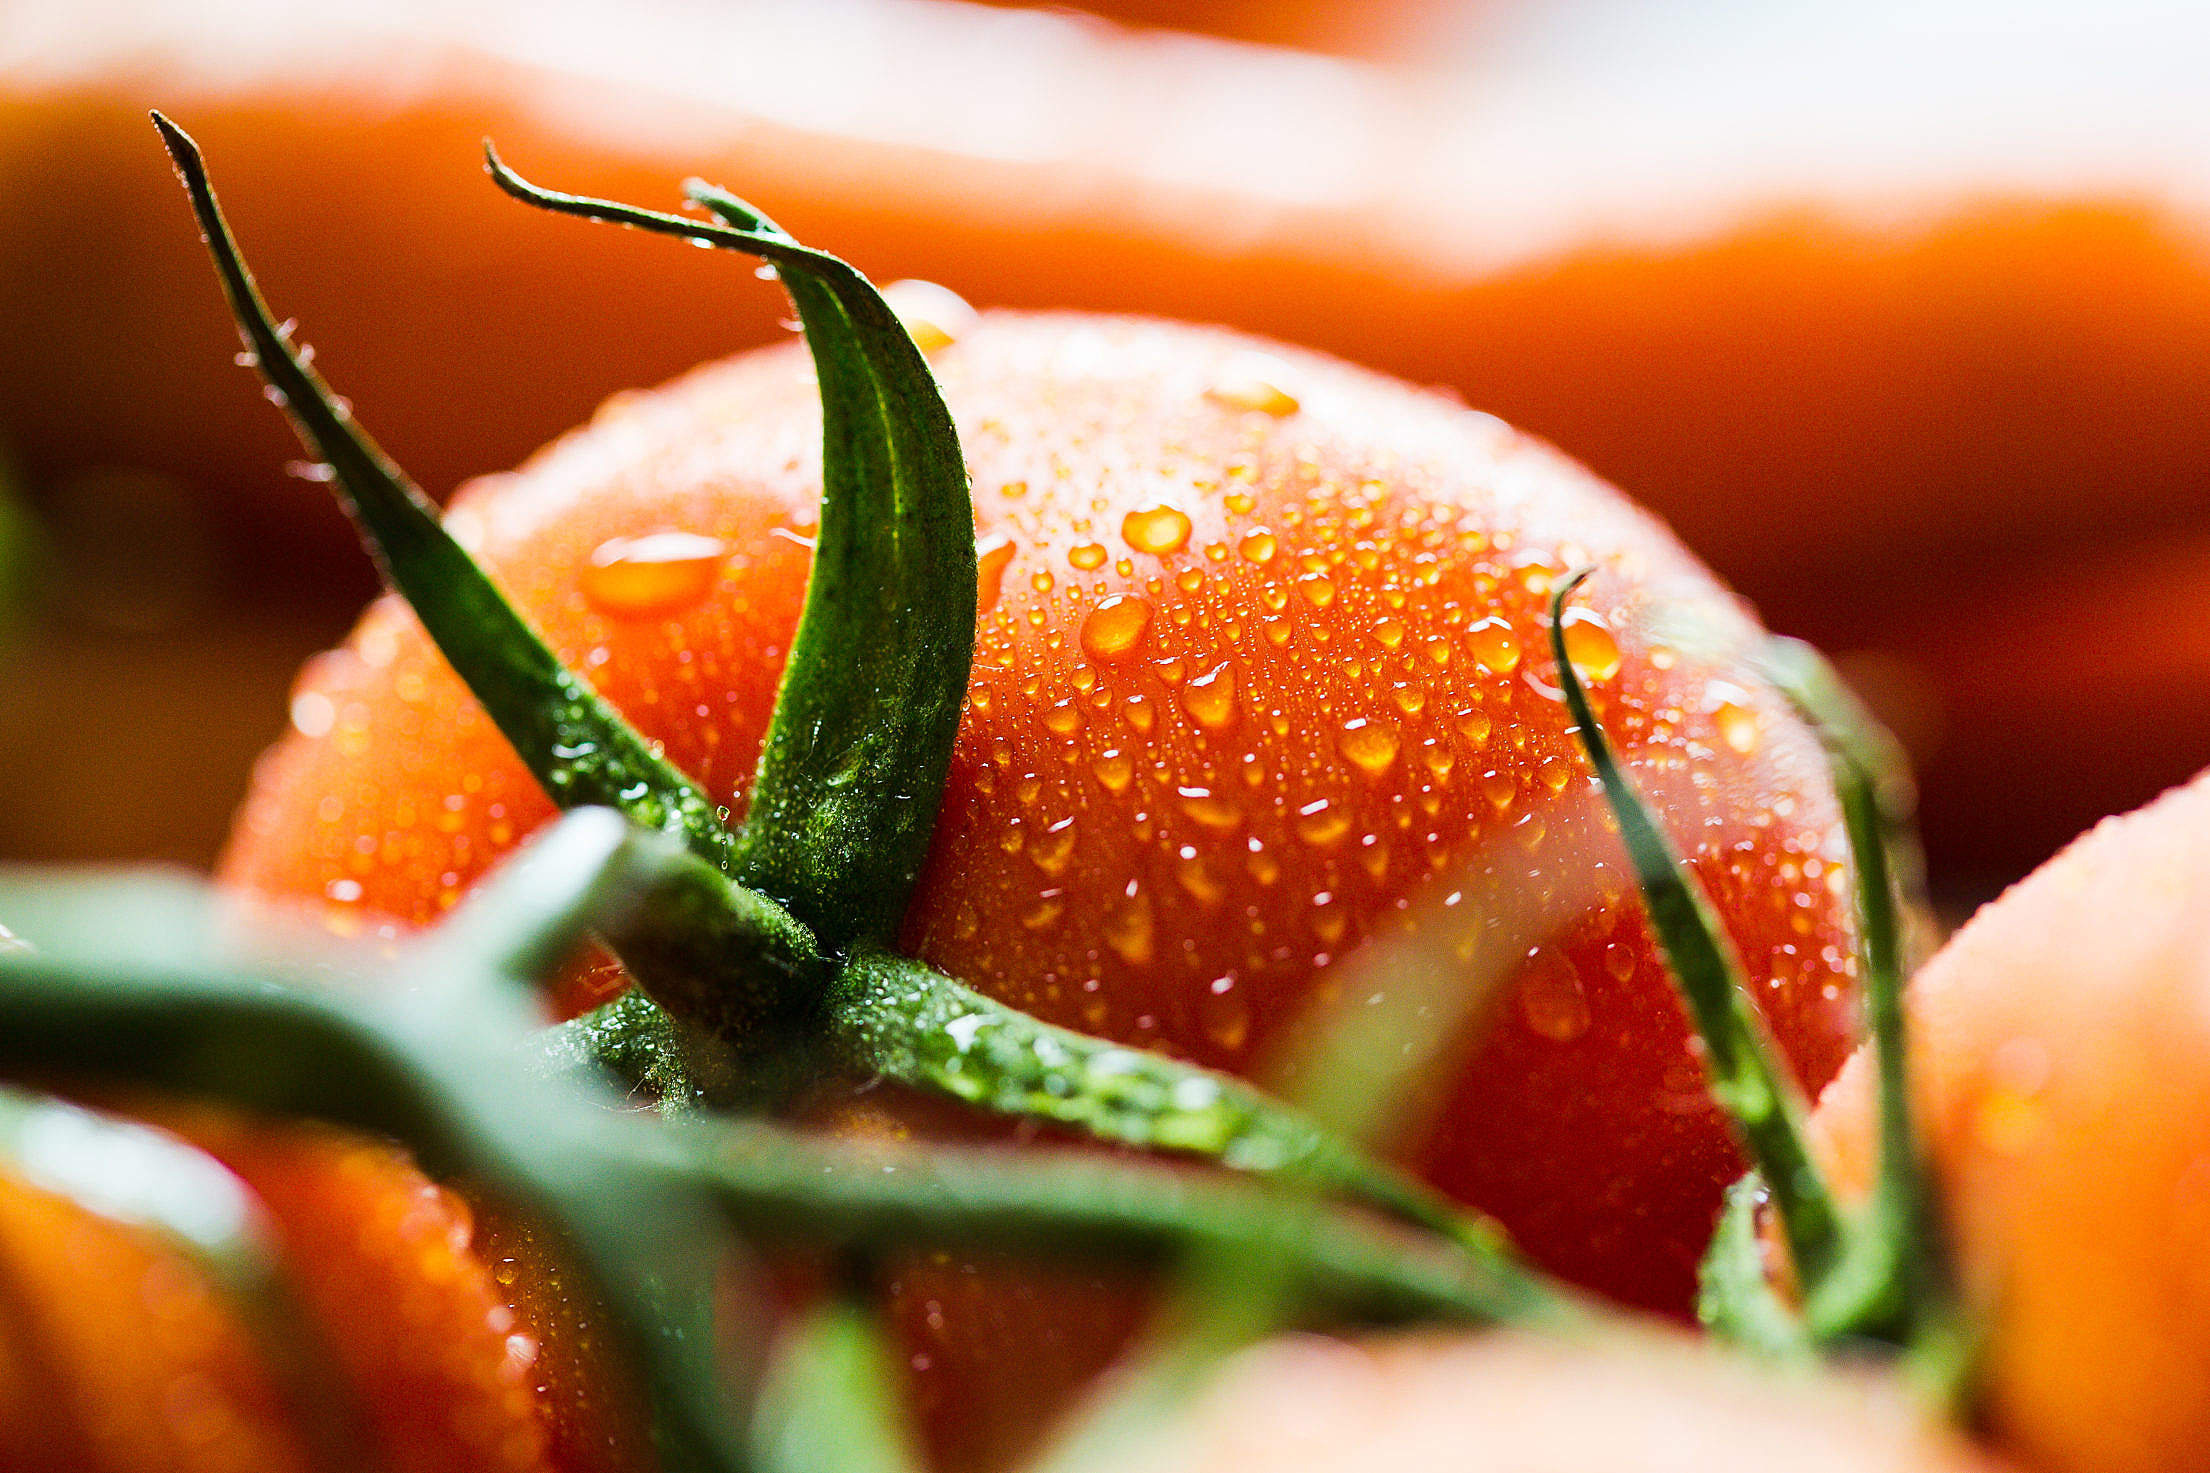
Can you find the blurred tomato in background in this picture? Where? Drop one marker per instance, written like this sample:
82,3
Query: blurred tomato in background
1900,312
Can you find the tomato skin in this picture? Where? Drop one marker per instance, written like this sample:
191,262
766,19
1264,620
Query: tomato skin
1170,816
2061,1058
1512,1404
156,1371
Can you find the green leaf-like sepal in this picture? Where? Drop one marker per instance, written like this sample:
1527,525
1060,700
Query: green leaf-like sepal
1756,1091
845,801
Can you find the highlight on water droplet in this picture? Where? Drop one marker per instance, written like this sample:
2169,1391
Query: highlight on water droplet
1224,1014
1734,714
1551,1002
935,316
1052,849
1195,875
1209,809
1128,929
1252,383
1589,644
1210,698
1494,644
993,555
1258,546
1321,824
1370,745
1157,528
1116,626
658,573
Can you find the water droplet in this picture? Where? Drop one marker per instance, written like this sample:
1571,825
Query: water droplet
993,555
1735,716
1195,876
1556,772
1239,502
1493,643
1390,632
1224,1015
1116,627
1500,789
1088,556
658,573
1410,699
1619,960
1551,1001
1317,590
1013,490
1128,928
1252,383
1371,746
1258,546
1439,759
1053,848
1262,866
1209,809
1210,698
1589,644
1113,770
313,714
1474,726
1321,824
1045,912
935,316
1156,528
1062,718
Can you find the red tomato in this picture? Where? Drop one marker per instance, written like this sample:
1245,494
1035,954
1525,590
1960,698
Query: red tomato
1260,678
2061,1044
1505,1404
133,1359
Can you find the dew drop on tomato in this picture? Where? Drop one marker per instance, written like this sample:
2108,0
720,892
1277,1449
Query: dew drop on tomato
1087,556
658,573
1157,528
1321,824
1494,644
1589,644
1116,627
993,555
1209,809
1371,746
1128,928
1551,1001
1210,698
1258,546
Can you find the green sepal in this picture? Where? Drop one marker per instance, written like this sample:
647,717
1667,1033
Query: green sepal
1735,1296
177,994
148,1179
830,1401
906,1021
1756,1091
845,800
579,748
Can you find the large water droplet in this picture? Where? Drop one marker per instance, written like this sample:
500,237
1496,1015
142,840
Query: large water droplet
1370,745
1116,627
993,555
935,316
1210,698
1258,546
1088,556
1128,929
1157,528
1551,1001
1321,824
658,573
1253,383
1589,644
1494,644
1209,809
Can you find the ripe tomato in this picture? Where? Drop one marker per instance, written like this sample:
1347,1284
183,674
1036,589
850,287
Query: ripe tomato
1514,1405
135,1360
2062,1057
1260,678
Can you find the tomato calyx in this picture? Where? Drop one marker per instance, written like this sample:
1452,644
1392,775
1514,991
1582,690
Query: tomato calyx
763,1002
1879,1274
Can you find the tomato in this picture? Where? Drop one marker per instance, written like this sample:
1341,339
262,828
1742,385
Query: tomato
1517,1405
136,1360
2061,1052
1259,678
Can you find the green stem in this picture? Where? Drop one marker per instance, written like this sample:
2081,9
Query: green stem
906,1021
845,801
1755,1090
829,1402
578,747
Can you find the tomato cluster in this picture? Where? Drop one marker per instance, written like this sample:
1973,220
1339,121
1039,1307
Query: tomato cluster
1268,724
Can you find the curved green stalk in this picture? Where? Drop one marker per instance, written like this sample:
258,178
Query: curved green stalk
577,746
1758,1094
845,801
144,1178
119,991
906,1021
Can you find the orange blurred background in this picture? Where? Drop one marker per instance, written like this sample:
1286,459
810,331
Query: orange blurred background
1899,312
